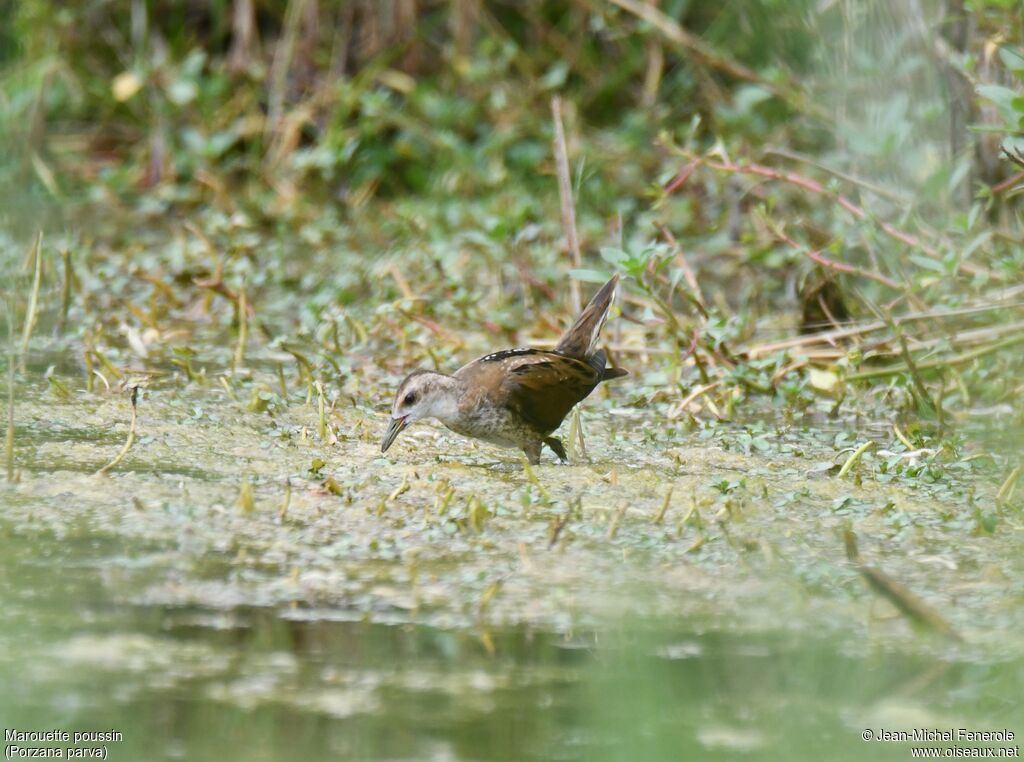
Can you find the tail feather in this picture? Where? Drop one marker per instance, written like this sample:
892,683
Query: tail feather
581,338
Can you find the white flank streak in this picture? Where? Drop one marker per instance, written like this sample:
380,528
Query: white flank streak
600,323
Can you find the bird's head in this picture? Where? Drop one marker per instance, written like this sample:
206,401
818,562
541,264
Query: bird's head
423,394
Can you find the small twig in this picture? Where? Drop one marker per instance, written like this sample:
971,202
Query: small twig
279,69
899,596
966,357
823,304
65,302
242,328
688,274
613,525
321,411
404,487
852,460
903,438
400,280
131,435
785,370
692,348
431,325
1016,156
878,190
707,55
664,505
681,177
1008,183
830,337
577,447
1007,488
693,513
858,212
915,374
217,286
33,300
832,264
698,392
557,525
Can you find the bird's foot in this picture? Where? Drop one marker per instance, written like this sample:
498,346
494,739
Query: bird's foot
532,452
556,445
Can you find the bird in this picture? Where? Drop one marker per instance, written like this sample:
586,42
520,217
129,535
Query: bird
515,397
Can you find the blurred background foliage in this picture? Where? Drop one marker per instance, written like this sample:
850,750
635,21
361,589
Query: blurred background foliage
397,97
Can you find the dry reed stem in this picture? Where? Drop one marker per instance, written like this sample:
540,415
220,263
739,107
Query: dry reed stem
33,301
565,195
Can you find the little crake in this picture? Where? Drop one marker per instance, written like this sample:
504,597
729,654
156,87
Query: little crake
516,397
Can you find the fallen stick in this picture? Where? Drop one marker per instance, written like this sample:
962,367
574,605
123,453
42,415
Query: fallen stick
131,436
949,362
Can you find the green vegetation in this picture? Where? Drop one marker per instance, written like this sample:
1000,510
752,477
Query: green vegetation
228,229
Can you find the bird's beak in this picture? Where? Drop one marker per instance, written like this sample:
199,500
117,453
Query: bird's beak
394,428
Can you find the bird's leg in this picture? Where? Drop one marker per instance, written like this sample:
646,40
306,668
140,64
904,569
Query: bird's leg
532,451
556,445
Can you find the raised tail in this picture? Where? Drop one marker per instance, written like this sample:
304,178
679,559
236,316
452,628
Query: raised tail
580,340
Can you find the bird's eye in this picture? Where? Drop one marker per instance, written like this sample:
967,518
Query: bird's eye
410,398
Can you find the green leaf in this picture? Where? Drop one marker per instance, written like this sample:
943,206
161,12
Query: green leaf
749,96
1013,59
555,77
841,502
1014,144
977,241
182,91
590,276
989,521
823,466
1005,100
614,256
927,263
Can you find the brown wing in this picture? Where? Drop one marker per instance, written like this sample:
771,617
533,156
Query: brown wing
544,386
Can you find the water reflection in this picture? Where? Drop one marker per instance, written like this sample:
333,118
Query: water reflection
261,684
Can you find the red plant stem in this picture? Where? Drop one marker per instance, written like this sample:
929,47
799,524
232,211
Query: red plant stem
815,187
1008,183
824,261
681,177
693,345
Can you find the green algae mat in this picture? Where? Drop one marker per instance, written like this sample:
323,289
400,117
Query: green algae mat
247,584
761,547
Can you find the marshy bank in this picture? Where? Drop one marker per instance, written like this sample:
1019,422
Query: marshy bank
798,518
